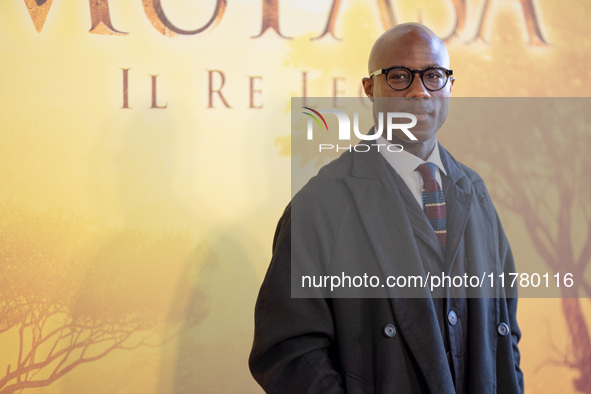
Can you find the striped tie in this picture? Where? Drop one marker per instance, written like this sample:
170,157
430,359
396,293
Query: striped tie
433,201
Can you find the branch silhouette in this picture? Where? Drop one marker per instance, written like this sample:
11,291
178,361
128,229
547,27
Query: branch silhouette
65,304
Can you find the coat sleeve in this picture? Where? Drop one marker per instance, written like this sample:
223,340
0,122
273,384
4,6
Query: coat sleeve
292,350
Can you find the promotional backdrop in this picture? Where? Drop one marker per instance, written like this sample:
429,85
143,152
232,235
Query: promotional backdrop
145,161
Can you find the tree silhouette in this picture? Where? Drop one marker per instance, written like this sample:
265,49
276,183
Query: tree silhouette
534,157
71,295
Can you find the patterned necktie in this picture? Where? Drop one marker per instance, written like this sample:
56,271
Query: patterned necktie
433,201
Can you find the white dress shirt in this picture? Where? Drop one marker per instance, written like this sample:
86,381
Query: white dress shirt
405,164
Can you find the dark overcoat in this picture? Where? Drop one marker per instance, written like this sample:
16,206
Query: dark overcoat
355,210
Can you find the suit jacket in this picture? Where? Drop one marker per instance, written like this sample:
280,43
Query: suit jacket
354,213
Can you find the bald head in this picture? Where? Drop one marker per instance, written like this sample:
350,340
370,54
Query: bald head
416,48
403,37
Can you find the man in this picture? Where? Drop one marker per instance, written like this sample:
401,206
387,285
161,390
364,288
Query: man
414,211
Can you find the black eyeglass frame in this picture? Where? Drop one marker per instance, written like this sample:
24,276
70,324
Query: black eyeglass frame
385,71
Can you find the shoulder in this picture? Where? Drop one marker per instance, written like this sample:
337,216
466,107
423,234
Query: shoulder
469,178
472,176
327,186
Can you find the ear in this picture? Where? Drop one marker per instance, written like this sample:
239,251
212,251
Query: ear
368,87
451,80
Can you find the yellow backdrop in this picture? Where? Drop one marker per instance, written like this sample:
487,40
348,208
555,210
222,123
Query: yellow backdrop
145,162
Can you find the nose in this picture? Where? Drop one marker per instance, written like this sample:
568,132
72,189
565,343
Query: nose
417,88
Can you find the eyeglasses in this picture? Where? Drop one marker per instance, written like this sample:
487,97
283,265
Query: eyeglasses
400,77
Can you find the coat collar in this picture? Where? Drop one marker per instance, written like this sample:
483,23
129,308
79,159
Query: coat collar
371,165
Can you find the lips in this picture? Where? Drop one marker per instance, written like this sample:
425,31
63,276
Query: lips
424,107
418,111
422,117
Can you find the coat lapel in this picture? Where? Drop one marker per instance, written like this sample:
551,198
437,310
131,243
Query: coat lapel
458,203
385,219
419,222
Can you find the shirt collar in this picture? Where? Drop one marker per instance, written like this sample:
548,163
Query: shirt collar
405,163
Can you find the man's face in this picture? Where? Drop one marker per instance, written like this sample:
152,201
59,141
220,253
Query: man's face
418,52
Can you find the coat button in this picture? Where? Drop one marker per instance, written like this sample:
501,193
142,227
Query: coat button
503,329
389,330
452,317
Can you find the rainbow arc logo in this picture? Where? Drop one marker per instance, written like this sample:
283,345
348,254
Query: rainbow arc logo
316,118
